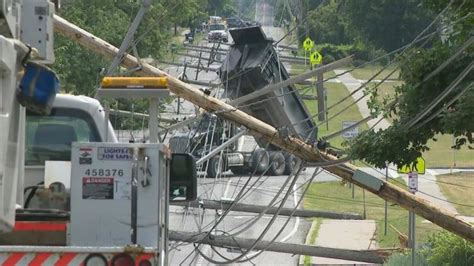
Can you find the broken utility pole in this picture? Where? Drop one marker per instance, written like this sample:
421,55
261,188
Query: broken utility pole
296,146
240,207
371,256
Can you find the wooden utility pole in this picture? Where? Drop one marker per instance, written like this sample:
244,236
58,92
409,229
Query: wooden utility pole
252,208
371,256
296,146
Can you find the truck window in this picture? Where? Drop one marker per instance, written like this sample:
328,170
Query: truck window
216,27
49,138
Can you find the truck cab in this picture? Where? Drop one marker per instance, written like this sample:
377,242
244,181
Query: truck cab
49,137
217,33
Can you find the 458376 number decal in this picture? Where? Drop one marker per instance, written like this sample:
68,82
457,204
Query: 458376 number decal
104,172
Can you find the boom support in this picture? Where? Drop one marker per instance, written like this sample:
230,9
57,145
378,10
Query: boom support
387,191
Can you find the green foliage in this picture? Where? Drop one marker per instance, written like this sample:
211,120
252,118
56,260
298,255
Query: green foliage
78,68
388,24
326,25
401,144
405,259
441,249
333,52
445,248
223,8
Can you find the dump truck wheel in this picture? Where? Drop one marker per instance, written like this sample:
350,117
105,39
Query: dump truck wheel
290,163
259,160
215,167
277,160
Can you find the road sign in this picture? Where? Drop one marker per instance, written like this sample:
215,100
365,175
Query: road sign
419,167
350,133
308,44
315,58
413,182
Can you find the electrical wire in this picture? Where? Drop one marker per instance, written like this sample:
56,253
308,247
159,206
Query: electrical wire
444,108
238,198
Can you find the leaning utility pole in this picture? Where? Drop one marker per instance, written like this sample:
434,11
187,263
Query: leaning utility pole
294,145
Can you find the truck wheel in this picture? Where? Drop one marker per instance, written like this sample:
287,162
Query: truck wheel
215,167
290,163
240,170
277,160
259,161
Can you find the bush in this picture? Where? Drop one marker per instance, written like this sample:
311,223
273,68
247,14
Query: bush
333,52
405,259
441,249
449,249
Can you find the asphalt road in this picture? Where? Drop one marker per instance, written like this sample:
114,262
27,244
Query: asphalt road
227,187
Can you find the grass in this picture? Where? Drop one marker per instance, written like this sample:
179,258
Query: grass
332,196
336,92
458,188
442,155
368,71
312,238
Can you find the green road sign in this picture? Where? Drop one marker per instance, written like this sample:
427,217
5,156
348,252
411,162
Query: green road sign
315,58
308,44
419,167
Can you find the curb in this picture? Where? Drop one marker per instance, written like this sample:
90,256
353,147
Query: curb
308,236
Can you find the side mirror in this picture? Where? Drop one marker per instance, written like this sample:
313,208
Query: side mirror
183,177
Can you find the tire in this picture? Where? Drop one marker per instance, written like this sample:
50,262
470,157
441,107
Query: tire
290,163
278,163
259,161
213,167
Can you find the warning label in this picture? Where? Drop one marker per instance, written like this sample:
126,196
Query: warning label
97,188
116,154
85,156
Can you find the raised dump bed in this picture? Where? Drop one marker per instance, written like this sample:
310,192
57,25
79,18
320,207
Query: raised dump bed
251,64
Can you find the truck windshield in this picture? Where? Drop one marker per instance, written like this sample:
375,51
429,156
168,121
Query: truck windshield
216,27
49,138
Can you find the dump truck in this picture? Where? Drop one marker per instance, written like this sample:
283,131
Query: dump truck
251,64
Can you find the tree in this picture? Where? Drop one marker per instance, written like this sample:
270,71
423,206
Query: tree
79,69
328,25
404,141
388,24
223,8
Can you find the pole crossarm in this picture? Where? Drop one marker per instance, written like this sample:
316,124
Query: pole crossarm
294,145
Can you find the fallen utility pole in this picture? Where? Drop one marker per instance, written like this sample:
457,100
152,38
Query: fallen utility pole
240,207
294,145
371,256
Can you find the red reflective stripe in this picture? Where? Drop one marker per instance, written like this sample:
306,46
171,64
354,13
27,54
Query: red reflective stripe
39,259
141,257
39,226
65,259
13,258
